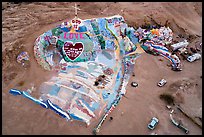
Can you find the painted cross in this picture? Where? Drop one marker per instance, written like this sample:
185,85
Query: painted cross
75,7
76,21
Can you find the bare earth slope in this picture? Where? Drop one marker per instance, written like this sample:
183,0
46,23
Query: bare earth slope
22,23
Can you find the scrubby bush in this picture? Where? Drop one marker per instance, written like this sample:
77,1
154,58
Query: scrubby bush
168,98
21,83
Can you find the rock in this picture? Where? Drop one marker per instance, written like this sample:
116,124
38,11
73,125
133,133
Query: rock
168,106
181,87
122,113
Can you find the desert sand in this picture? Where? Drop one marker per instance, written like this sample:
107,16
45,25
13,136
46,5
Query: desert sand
23,22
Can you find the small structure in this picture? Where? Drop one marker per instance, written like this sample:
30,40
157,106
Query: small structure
22,57
180,45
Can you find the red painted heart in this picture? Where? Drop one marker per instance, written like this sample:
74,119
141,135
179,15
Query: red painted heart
73,51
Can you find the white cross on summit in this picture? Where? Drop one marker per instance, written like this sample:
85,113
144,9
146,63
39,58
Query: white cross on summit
75,7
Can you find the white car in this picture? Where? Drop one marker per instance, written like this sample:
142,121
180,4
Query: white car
154,121
162,82
194,57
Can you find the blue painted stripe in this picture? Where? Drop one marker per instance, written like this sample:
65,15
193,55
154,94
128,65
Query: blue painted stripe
172,60
58,110
27,95
75,117
15,92
159,47
43,104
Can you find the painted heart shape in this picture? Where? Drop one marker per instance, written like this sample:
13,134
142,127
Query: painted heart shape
73,51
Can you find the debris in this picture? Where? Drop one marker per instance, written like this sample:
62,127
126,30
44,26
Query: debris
176,69
30,91
182,50
181,88
193,50
153,133
122,113
197,49
184,55
178,124
33,88
168,106
23,56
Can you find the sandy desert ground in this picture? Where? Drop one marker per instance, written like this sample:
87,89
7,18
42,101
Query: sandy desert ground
22,23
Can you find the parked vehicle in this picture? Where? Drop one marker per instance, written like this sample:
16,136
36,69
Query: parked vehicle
134,84
194,57
162,82
153,123
182,44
